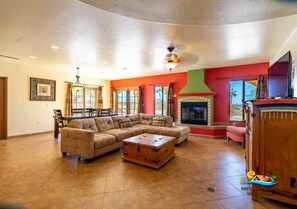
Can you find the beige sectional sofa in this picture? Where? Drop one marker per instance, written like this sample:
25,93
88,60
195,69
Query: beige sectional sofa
91,137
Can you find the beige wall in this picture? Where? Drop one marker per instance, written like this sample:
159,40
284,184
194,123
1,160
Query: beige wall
289,45
25,116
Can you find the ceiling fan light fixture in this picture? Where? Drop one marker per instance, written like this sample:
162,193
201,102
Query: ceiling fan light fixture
170,65
171,59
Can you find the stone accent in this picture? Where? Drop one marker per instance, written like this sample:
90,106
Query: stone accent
208,99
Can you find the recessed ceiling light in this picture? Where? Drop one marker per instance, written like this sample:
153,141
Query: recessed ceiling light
124,68
54,47
32,57
105,62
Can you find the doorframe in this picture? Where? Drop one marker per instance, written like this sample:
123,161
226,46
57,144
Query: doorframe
5,106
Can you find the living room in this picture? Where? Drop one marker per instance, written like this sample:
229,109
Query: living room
31,30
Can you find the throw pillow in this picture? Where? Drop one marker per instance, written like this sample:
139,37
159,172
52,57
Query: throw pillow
158,121
125,123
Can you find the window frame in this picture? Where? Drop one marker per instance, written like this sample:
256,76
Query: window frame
244,81
84,105
128,110
163,110
136,101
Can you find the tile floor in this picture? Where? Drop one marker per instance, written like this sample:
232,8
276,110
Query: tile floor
33,174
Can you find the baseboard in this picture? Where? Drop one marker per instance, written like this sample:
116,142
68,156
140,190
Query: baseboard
209,136
31,134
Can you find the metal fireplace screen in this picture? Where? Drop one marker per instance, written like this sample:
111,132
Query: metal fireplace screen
194,113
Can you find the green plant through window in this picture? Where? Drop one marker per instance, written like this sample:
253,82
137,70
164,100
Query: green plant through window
84,97
241,91
161,97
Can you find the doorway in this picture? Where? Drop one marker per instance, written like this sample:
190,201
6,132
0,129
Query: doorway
3,108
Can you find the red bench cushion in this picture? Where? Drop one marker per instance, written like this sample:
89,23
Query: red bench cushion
236,130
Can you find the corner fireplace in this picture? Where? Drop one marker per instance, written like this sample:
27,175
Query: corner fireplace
196,110
194,113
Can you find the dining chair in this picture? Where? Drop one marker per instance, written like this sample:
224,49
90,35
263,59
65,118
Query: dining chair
104,112
78,110
59,122
97,112
111,111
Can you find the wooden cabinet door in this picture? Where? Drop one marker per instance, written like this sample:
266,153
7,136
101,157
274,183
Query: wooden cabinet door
278,138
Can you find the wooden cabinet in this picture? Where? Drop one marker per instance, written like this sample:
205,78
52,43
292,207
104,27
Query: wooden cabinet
271,146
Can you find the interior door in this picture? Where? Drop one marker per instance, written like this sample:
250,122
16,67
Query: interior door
3,108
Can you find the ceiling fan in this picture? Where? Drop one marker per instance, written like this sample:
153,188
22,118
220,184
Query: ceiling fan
172,60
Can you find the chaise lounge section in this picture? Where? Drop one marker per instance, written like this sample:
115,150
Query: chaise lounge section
89,138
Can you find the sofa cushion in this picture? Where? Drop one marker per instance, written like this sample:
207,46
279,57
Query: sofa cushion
146,119
142,127
104,123
135,130
175,131
236,130
120,134
89,124
101,140
125,123
116,120
157,121
85,123
135,119
75,123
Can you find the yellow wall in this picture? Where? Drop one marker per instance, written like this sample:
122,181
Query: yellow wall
25,116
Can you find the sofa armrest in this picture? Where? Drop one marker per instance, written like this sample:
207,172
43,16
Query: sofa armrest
78,142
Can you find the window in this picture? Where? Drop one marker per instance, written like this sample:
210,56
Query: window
84,97
77,98
133,102
161,97
241,91
126,101
90,98
122,102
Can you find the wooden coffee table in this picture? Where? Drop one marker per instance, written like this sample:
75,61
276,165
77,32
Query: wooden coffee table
149,149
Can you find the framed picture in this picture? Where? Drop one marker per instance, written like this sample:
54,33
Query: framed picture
42,89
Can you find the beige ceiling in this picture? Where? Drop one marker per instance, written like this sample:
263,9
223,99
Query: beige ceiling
103,37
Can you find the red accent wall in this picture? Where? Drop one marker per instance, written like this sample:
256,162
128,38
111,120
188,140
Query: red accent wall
218,80
179,80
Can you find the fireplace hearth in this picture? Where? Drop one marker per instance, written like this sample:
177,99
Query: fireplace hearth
194,113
